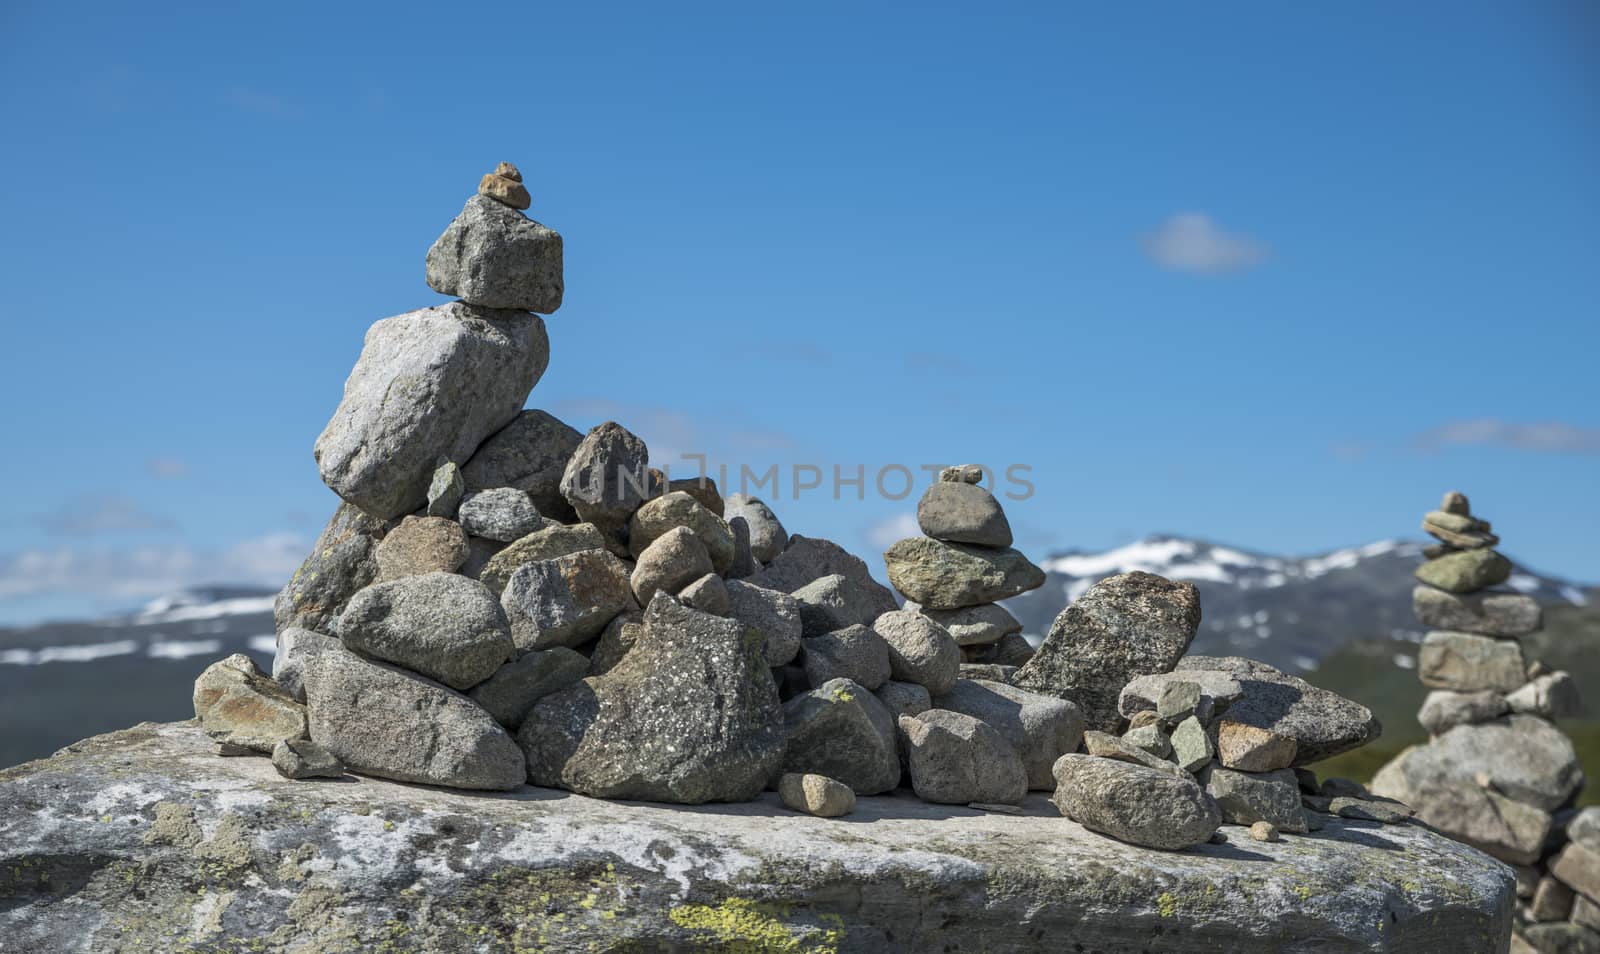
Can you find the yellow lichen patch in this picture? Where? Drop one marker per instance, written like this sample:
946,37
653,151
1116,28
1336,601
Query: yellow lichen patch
742,926
1167,904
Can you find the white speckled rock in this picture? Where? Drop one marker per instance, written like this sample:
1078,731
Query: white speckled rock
102,848
429,384
444,626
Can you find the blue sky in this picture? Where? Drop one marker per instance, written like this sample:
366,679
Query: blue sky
1274,277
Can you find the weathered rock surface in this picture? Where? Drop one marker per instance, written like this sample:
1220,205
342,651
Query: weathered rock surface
430,384
672,561
1321,723
774,616
808,558
1249,797
708,594
445,491
816,795
341,562
1218,691
973,625
689,715
920,651
1466,663
1135,804
494,256
950,576
959,512
319,867
1465,571
606,478
295,648
547,544
856,653
1553,696
502,514
421,545
1523,757
515,687
239,705
841,730
567,600
530,454
302,758
1125,626
767,536
956,759
833,602
446,627
384,721
1487,614
679,509
1107,746
1041,728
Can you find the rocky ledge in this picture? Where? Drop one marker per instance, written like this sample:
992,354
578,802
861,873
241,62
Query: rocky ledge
144,840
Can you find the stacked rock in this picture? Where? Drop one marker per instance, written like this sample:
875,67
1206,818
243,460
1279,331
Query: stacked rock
1497,773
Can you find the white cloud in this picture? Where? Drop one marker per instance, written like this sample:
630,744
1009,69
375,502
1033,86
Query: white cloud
101,513
140,572
1550,436
1191,242
885,533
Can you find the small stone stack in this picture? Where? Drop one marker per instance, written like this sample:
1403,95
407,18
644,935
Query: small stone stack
959,571
1497,773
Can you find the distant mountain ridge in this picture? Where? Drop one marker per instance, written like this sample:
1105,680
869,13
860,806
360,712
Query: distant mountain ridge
1288,611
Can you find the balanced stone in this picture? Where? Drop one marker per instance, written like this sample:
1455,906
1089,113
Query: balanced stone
421,545
504,185
1218,691
239,705
957,512
672,561
1249,797
956,759
530,454
1487,614
502,514
689,715
809,558
429,384
606,478
1123,627
1322,723
856,652
342,562
515,687
295,649
767,536
1444,709
445,490
954,575
446,627
1132,803
816,795
772,616
841,730
1457,530
493,256
1041,728
920,651
973,625
962,473
1466,663
303,758
1191,746
381,720
679,509
567,600
1465,571
547,544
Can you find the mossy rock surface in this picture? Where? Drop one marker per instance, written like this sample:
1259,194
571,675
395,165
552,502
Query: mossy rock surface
143,841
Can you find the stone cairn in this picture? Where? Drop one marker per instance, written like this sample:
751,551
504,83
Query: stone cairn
1497,774
500,599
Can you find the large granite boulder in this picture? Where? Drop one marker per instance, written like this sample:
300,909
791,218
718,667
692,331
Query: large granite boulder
956,759
530,454
342,562
566,600
1041,728
430,384
1321,723
948,576
494,256
774,616
689,715
446,627
142,841
607,478
381,720
1125,626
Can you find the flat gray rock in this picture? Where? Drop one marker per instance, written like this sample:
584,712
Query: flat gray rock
515,687
530,454
841,730
959,512
239,705
1041,728
767,536
689,715
1218,691
1125,626
973,625
342,561
773,616
1443,709
429,384
381,720
949,576
1487,614
956,759
1321,723
1466,663
810,558
567,600
1141,806
494,256
547,544
897,876
1525,758
502,514
446,627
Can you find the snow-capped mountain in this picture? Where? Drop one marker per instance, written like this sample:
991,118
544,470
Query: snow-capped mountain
1287,611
